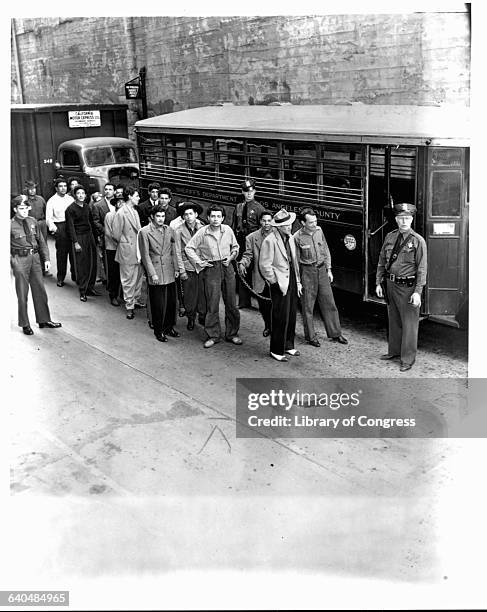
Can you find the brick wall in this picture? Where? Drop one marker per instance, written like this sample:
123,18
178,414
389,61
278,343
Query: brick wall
417,58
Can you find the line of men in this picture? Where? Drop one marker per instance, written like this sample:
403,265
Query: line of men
139,245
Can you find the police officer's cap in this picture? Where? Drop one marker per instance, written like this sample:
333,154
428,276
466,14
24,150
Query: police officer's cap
404,210
248,184
29,184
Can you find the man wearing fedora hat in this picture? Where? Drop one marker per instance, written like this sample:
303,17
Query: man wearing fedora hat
38,212
278,264
402,265
193,294
245,220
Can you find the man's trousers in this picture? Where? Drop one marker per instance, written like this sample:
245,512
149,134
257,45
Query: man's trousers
131,280
28,272
162,300
316,287
403,322
219,281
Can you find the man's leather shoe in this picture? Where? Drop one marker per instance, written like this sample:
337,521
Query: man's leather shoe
93,292
50,325
46,274
293,352
149,323
139,306
209,343
266,332
114,302
386,357
190,325
161,337
60,283
172,332
130,314
182,312
27,329
404,367
340,339
83,297
279,357
314,343
234,340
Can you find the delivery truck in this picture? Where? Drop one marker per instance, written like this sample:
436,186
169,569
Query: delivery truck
85,141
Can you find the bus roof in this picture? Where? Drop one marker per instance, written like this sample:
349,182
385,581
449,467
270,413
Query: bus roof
364,123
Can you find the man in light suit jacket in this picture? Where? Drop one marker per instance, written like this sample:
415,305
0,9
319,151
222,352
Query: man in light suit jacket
158,254
250,257
280,268
126,226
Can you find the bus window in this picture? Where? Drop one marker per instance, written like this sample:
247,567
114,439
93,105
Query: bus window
300,169
343,173
446,193
150,151
202,154
392,175
263,159
231,160
177,152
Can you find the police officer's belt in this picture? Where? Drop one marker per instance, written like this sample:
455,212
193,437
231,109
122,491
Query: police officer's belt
402,280
315,265
23,252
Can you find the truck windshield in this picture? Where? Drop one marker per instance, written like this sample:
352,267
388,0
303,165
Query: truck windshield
102,156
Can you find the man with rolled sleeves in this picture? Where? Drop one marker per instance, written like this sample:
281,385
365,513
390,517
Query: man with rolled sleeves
211,250
316,276
56,222
245,220
402,267
26,245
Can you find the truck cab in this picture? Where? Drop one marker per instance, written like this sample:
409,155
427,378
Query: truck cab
97,161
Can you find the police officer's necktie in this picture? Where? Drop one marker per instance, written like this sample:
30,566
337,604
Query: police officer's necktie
28,237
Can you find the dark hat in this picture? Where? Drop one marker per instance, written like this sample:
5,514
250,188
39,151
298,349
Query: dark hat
183,207
29,183
248,184
283,217
404,210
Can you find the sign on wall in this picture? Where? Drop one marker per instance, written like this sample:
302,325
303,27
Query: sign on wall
84,118
133,89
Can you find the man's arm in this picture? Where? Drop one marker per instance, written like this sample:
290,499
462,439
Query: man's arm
50,216
191,250
266,258
143,241
97,220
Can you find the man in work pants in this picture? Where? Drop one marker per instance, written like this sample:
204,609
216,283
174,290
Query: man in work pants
316,276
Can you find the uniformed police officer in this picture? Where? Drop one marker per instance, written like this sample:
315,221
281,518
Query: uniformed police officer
26,245
246,219
402,265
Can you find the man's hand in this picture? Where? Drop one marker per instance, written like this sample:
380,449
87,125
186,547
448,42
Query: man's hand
378,291
330,275
300,289
183,276
206,264
415,300
155,279
47,265
241,269
77,247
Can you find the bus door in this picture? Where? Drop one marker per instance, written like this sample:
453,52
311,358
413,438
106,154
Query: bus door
445,233
392,179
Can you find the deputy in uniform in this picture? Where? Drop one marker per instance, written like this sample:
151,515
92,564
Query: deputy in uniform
246,219
402,266
26,245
